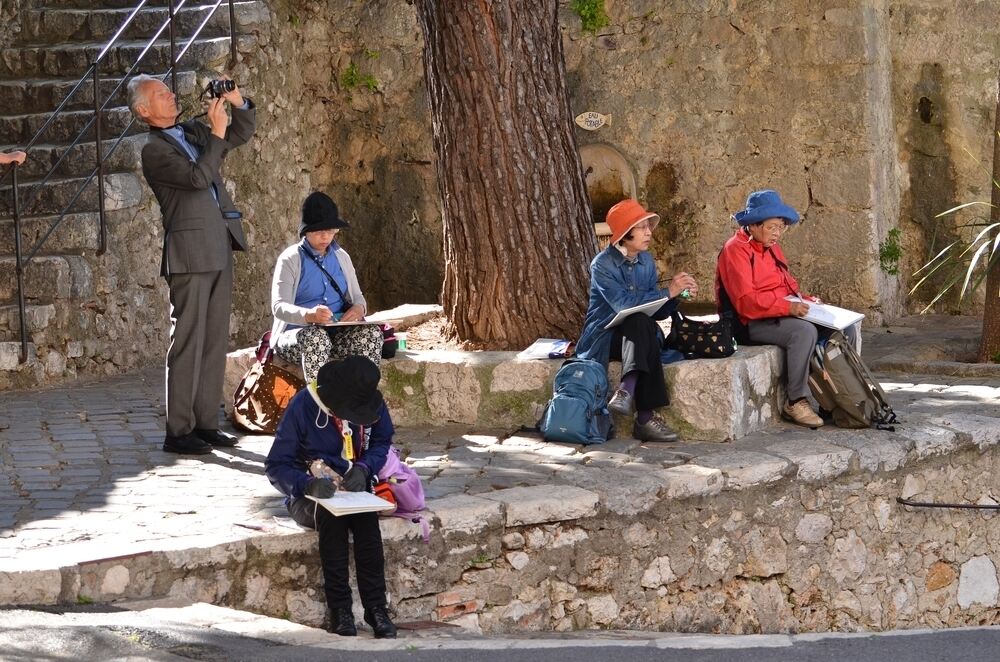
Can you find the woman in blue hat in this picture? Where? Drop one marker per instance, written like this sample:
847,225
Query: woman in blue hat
752,277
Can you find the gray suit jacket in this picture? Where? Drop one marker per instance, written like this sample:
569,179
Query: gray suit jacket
196,236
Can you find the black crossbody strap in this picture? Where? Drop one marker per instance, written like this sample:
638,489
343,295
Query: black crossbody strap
332,280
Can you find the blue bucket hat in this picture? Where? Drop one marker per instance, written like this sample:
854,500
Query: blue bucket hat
762,205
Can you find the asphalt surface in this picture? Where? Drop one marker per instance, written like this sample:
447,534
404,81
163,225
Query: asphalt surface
102,633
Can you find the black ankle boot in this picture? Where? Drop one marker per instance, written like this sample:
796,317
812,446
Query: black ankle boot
378,618
342,622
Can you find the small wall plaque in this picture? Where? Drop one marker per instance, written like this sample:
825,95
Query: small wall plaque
592,121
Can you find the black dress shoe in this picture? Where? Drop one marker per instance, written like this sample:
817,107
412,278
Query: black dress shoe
378,618
342,622
216,437
186,444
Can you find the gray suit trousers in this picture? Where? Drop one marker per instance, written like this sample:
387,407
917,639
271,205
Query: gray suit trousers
200,304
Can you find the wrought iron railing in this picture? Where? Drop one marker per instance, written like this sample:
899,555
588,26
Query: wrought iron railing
93,73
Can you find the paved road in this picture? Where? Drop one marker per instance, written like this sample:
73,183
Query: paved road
103,635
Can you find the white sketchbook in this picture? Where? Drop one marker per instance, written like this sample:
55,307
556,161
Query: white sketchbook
829,316
648,308
350,503
361,323
545,348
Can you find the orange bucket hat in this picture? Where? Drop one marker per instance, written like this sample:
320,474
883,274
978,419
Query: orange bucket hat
625,215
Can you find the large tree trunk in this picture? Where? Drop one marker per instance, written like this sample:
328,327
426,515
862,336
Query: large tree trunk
989,345
518,236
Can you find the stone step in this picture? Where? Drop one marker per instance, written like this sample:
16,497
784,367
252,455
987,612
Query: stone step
71,59
75,234
80,160
68,125
47,278
100,25
43,95
122,190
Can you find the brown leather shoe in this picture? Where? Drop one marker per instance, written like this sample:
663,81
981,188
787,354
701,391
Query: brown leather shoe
802,414
620,403
653,430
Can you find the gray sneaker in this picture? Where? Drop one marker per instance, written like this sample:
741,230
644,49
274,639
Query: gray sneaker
653,430
620,403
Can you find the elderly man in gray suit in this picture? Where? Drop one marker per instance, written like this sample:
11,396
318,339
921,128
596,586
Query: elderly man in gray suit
201,229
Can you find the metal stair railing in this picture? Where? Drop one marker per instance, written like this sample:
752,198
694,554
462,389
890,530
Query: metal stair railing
94,74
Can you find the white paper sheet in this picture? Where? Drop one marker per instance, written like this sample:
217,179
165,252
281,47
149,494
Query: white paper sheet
648,308
829,316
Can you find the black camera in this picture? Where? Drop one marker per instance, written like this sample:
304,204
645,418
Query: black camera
216,88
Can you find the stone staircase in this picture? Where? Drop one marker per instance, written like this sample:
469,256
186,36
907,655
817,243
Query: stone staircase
67,285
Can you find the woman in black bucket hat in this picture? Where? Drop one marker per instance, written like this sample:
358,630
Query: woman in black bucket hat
315,293
337,432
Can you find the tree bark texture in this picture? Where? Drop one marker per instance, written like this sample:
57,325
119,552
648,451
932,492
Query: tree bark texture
989,345
518,237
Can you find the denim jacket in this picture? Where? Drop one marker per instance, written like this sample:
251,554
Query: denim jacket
616,284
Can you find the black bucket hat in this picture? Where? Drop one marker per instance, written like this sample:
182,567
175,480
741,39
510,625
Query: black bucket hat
319,212
349,389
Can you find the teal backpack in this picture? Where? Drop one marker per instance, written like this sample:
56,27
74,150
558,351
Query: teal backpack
577,412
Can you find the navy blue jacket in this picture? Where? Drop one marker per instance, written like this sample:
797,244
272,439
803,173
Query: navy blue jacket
300,440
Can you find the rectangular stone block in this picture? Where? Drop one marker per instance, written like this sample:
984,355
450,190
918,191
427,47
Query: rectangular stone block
466,514
30,587
544,503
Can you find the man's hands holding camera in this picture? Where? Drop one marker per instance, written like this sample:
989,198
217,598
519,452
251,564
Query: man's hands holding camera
216,112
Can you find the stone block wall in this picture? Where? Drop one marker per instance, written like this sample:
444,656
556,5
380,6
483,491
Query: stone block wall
859,111
821,556
711,399
688,549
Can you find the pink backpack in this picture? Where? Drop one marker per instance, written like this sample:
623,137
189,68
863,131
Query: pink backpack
407,490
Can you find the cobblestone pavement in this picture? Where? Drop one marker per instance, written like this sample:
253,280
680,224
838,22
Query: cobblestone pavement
83,476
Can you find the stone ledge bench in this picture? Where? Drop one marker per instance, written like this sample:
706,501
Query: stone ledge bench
711,399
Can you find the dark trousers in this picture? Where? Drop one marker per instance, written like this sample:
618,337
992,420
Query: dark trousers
636,344
369,560
200,305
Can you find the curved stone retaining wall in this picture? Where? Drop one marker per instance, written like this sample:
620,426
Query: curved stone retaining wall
801,535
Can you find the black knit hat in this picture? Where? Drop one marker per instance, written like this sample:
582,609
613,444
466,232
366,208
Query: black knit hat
349,388
319,212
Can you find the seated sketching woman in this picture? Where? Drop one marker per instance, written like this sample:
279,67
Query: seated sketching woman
752,275
622,276
314,288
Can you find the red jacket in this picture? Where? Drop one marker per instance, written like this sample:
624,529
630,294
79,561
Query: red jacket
756,280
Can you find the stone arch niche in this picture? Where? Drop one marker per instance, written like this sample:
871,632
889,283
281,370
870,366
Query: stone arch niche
610,179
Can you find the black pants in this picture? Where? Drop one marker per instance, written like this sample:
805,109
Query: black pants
636,344
369,560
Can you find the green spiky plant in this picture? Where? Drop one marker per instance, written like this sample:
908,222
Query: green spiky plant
974,262
960,261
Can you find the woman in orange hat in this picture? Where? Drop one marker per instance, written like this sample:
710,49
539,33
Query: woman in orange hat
622,276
